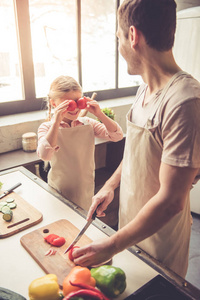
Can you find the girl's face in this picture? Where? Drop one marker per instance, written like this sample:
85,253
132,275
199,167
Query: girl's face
69,115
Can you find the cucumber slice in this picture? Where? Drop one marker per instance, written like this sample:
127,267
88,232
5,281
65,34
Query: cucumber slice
9,200
3,203
12,205
5,209
8,216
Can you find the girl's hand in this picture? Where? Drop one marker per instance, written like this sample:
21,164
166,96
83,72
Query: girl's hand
93,107
60,110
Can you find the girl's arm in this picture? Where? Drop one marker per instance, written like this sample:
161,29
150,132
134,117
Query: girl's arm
108,129
94,108
110,124
44,149
48,134
52,134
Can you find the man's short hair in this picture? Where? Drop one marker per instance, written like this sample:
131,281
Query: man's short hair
156,19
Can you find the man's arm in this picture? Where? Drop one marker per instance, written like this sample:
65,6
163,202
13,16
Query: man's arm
175,184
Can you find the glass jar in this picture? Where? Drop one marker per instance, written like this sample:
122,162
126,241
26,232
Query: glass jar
29,142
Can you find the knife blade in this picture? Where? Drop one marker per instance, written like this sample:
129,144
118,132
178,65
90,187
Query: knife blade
77,238
8,191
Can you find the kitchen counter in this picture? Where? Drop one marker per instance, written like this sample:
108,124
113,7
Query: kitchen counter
19,157
19,269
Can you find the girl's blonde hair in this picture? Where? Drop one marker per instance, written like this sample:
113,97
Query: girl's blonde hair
59,87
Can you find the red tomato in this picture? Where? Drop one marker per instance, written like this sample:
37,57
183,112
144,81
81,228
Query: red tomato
71,251
72,105
58,242
82,103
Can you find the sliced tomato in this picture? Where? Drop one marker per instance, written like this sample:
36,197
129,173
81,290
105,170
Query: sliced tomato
49,238
58,242
70,253
50,252
82,103
72,105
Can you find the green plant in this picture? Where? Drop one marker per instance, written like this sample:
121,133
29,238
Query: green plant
108,112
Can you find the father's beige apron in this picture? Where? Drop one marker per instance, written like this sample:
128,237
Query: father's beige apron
140,182
72,167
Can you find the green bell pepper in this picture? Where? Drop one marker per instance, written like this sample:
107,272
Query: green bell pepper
110,280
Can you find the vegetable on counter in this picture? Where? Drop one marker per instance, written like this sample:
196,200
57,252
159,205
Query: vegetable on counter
49,238
86,291
50,252
55,240
76,298
7,216
70,253
5,208
58,242
45,288
77,275
86,294
108,112
110,280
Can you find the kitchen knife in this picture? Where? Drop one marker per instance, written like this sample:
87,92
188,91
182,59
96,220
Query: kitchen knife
5,193
77,238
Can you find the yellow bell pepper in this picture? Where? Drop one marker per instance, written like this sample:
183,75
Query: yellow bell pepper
44,288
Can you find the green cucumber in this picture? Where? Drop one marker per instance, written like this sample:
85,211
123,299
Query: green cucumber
9,200
5,209
8,216
12,205
3,203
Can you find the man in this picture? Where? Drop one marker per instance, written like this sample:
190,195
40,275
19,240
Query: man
162,151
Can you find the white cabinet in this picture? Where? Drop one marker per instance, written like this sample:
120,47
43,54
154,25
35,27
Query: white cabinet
187,42
187,54
195,198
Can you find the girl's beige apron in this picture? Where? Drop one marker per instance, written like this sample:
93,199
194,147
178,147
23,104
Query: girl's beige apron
139,182
72,167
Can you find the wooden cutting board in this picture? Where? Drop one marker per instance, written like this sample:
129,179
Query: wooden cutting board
58,264
24,216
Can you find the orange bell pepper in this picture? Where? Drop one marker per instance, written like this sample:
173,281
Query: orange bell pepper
77,275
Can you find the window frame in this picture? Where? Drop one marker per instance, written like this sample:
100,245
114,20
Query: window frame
30,102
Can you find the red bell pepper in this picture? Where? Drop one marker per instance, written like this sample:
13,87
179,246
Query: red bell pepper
58,242
55,240
89,287
70,253
84,293
49,238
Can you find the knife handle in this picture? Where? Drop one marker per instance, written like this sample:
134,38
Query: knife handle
95,213
13,187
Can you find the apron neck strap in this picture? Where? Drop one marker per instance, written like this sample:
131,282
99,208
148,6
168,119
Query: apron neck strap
162,95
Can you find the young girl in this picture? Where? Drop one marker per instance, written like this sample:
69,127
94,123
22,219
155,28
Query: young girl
68,141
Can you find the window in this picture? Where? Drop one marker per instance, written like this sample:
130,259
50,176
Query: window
10,81
50,38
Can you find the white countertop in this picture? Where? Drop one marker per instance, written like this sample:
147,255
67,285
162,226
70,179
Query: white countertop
18,268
